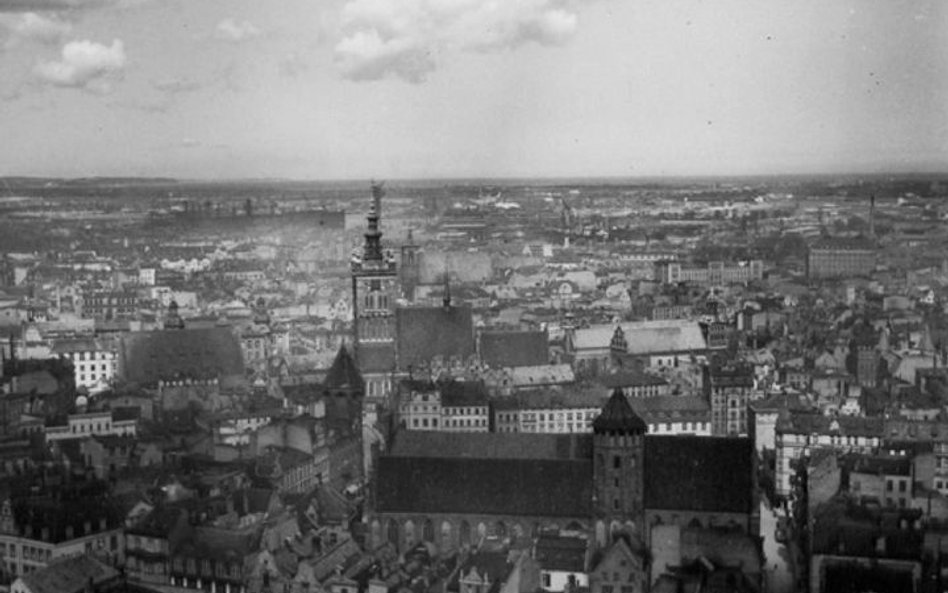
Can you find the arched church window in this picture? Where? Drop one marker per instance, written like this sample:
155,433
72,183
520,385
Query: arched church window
501,530
445,536
392,532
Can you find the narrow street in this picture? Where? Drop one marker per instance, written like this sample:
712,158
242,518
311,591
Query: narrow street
778,569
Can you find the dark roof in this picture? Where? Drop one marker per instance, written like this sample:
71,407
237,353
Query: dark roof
122,413
528,487
617,414
850,576
884,465
491,445
494,565
426,332
632,379
159,522
221,544
164,355
71,575
344,374
554,552
499,349
689,473
463,393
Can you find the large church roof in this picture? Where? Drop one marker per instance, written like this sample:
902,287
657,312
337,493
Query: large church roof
427,332
487,473
179,354
526,487
694,473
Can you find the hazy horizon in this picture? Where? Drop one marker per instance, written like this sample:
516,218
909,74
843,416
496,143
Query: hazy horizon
467,89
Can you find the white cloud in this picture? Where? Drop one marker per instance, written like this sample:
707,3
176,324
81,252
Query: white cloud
32,26
85,64
41,28
231,30
402,38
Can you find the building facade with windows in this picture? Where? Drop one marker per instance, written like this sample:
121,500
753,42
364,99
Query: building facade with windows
799,433
94,363
841,257
729,389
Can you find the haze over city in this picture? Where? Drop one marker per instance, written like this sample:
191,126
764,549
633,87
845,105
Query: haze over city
465,88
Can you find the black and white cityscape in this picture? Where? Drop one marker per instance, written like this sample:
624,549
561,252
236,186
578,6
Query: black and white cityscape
459,296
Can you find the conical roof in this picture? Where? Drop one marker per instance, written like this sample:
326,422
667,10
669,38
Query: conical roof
344,374
618,415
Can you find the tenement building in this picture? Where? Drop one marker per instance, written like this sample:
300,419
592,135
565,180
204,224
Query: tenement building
841,257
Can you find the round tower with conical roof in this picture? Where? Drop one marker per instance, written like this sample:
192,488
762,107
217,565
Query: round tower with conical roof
618,458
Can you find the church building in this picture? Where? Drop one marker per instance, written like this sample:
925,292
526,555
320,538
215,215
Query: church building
395,342
455,491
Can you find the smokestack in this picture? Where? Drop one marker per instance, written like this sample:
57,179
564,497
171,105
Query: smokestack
872,216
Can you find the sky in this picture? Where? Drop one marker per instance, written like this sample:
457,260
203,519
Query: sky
353,89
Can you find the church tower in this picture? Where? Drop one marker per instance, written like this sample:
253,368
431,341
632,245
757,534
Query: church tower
618,458
374,290
409,267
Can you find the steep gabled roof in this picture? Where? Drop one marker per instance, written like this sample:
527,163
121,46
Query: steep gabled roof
617,414
344,373
71,575
427,332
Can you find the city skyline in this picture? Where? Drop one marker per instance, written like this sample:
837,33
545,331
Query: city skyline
463,89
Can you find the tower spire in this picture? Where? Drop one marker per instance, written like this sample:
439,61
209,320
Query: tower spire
446,299
373,236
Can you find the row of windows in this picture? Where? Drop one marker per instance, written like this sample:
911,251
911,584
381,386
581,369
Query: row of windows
91,367
466,422
81,428
667,426
464,411
560,416
889,485
77,356
375,301
31,553
558,427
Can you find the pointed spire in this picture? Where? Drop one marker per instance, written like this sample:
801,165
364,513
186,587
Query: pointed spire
173,320
344,374
447,292
618,415
372,251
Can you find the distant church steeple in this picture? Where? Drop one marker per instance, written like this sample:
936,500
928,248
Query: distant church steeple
446,298
172,319
372,250
374,292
